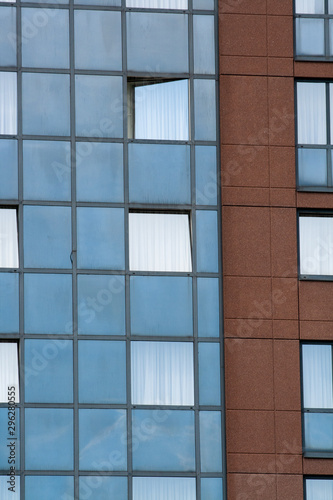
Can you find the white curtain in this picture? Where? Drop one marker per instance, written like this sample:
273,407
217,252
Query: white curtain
162,373
319,489
317,376
316,245
8,103
8,238
161,111
311,113
158,4
309,7
8,371
159,242
5,494
164,488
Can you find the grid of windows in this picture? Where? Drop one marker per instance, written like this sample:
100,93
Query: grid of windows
108,129
314,29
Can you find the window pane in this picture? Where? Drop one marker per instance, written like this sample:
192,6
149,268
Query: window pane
8,103
168,443
330,6
310,37
211,488
317,376
48,370
150,46
311,113
5,494
318,432
207,241
316,240
9,376
205,175
8,238
162,373
103,487
159,173
48,303
331,33
4,438
112,3
203,44
209,374
45,112
159,242
7,36
309,7
164,488
99,172
48,44
210,441
319,489
46,170
50,487
47,236
161,111
100,238
312,167
158,4
208,307
102,371
155,298
101,309
8,169
9,303
204,110
203,4
102,440
331,110
98,40
99,108
48,439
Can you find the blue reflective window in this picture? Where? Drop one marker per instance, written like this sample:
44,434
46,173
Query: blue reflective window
159,173
47,236
101,305
312,167
164,440
7,36
310,37
8,169
100,238
209,374
48,439
45,112
207,241
46,170
210,441
206,188
4,449
97,40
9,303
50,487
102,371
48,44
203,4
204,110
102,440
103,487
99,106
99,172
208,307
48,303
48,371
203,44
211,488
153,299
113,3
318,432
149,45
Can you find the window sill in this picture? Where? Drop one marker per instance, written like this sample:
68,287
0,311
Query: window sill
309,277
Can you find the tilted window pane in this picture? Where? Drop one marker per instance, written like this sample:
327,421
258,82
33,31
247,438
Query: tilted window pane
310,7
319,489
210,441
204,110
9,303
203,44
312,167
8,169
98,40
52,487
311,113
211,488
48,44
8,238
162,373
8,103
9,373
208,307
102,487
316,240
317,376
209,374
159,242
168,443
7,36
164,488
207,241
4,449
161,111
318,432
5,494
310,37
158,4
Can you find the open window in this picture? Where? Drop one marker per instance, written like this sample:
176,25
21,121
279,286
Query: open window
158,109
159,242
9,372
8,238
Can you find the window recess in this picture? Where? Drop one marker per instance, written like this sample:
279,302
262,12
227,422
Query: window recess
316,245
8,238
